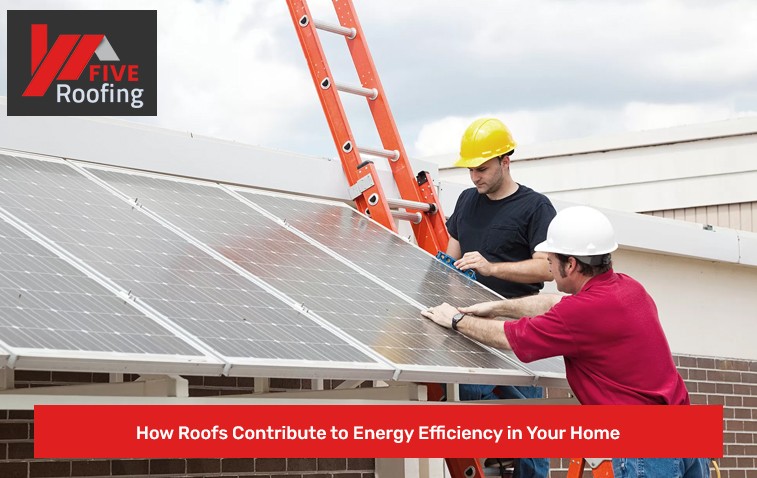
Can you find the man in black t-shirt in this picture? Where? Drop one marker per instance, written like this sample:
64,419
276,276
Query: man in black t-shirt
496,237
494,229
497,224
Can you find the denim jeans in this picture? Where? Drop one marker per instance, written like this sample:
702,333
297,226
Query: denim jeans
661,467
524,467
498,392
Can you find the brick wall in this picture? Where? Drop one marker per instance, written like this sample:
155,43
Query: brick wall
16,461
732,383
17,437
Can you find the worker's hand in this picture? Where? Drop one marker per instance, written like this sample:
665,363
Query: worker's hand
441,314
484,309
474,260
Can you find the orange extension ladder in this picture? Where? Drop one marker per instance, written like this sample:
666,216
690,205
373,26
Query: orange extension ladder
418,195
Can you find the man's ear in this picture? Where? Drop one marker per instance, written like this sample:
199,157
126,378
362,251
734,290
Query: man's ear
573,263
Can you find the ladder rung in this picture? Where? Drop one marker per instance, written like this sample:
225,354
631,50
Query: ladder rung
414,217
370,93
338,29
393,155
420,206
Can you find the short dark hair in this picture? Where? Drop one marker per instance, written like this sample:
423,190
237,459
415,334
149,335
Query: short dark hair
605,264
503,156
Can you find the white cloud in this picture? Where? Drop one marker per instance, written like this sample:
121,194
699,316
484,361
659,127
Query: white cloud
220,74
645,116
551,69
441,136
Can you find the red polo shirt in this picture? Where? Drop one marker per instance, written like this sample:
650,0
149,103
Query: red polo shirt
610,337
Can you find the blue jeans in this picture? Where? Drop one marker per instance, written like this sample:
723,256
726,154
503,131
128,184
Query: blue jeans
524,467
498,392
661,467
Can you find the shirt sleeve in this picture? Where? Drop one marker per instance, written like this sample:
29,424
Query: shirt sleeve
537,228
540,337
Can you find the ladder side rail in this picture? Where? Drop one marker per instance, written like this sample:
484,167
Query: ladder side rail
431,234
378,208
464,467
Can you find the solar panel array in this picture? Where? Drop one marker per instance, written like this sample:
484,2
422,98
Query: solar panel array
102,266
343,297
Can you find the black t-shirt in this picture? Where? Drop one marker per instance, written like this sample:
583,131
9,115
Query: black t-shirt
505,230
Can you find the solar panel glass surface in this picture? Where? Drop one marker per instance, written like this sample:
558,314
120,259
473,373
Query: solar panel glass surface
46,303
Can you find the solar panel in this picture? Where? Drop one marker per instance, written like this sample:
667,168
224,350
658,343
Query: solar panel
324,285
370,246
386,256
177,279
49,308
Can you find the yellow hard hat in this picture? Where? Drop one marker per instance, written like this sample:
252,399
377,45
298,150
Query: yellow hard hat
485,138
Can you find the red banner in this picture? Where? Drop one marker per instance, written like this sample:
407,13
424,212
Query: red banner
380,431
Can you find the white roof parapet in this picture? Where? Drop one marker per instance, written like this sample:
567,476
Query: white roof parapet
679,238
629,140
656,234
747,248
640,139
149,148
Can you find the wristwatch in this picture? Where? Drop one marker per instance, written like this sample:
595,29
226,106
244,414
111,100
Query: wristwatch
456,319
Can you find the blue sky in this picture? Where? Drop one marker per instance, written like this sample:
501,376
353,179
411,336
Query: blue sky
551,70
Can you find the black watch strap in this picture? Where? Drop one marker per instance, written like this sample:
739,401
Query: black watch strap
456,320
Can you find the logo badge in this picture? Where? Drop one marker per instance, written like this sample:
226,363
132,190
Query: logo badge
82,63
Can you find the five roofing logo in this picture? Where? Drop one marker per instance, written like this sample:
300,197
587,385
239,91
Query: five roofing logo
82,62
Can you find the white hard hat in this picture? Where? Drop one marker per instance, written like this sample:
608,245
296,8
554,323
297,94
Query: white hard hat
579,231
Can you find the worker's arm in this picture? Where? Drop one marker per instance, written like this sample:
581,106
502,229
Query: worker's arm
529,306
486,331
453,248
529,271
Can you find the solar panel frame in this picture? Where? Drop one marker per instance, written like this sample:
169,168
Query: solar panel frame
550,372
236,366
517,374
4,357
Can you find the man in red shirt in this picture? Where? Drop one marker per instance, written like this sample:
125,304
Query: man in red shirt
607,330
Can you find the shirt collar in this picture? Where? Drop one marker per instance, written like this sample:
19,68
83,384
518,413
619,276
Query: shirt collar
601,278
